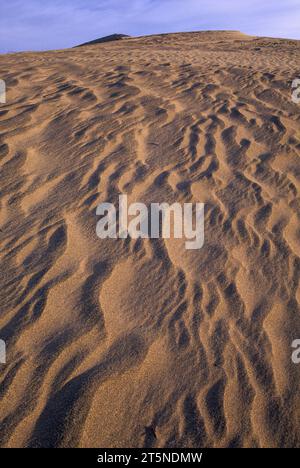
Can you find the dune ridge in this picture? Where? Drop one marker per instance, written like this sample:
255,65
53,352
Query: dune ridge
141,343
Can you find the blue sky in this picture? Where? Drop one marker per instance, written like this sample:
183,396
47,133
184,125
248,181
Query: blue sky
56,24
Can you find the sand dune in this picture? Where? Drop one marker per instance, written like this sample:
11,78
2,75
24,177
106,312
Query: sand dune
141,343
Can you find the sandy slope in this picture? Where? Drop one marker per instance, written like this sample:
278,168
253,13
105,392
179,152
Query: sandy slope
141,343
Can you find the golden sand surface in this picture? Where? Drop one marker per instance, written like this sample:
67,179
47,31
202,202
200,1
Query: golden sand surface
140,342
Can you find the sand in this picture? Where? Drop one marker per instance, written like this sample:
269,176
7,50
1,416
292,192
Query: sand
141,343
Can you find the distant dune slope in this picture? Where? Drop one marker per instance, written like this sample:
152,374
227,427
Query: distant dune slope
112,37
123,343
